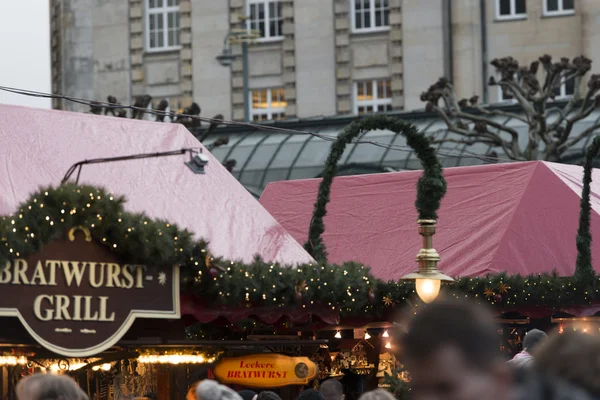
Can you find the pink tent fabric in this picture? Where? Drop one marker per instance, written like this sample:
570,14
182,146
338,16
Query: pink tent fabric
38,146
519,218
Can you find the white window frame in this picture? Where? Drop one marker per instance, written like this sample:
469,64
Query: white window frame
370,103
372,28
164,12
267,37
563,91
513,15
501,99
270,110
560,12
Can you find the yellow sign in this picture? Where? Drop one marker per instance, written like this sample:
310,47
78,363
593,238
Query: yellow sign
265,371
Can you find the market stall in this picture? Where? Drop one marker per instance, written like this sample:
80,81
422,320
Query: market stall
102,277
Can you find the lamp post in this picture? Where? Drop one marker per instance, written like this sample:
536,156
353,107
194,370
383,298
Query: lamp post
428,279
243,37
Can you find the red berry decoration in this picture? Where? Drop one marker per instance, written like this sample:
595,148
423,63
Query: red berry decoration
371,297
214,272
498,298
299,297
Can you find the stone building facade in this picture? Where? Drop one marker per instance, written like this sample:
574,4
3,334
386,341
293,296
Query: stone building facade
314,57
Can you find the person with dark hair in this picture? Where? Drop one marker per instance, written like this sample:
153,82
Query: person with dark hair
452,352
49,387
310,394
247,394
268,395
332,389
532,339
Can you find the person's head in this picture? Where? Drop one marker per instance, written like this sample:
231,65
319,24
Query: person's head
532,339
310,394
49,387
268,395
247,394
212,390
574,357
332,389
377,394
452,352
191,394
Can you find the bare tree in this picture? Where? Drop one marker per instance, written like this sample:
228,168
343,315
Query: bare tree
548,122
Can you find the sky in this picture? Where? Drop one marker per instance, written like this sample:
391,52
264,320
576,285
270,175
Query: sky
25,49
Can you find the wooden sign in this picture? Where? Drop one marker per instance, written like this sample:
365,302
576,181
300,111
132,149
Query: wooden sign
77,299
265,371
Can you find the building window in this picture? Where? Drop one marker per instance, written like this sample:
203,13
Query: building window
268,104
559,7
372,96
162,25
266,17
505,95
370,15
510,9
565,91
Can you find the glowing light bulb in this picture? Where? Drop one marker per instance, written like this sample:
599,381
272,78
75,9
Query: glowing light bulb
338,335
367,336
388,345
385,334
428,289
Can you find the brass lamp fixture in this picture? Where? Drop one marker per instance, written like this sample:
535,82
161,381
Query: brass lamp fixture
428,279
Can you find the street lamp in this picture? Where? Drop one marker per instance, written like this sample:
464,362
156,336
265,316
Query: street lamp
197,161
243,37
428,279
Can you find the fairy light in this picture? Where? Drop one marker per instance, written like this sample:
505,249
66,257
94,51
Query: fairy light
174,359
12,360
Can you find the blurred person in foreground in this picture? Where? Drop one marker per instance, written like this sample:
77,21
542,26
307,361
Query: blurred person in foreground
332,389
212,390
248,394
452,353
268,395
377,394
49,387
310,394
574,357
532,340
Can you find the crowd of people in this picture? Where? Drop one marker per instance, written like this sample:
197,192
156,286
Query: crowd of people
451,350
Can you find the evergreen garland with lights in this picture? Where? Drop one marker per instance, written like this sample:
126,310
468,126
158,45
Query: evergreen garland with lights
349,287
431,187
584,269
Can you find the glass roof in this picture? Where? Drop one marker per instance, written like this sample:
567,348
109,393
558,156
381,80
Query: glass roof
268,156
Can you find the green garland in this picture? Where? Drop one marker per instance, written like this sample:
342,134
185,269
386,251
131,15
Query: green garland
584,269
431,187
349,288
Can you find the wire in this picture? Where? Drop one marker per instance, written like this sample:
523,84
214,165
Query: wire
265,128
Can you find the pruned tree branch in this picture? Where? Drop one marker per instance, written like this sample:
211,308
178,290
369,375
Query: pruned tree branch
547,122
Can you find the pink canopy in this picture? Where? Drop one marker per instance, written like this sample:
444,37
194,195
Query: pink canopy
39,146
519,218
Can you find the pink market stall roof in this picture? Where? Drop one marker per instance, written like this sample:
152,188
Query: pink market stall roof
518,218
39,146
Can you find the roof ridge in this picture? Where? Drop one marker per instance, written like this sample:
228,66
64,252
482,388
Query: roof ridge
514,211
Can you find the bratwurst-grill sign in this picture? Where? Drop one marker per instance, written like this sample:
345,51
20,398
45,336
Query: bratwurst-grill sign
77,299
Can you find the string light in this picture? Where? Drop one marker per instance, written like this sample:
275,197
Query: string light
174,359
386,334
11,360
388,345
338,335
367,336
